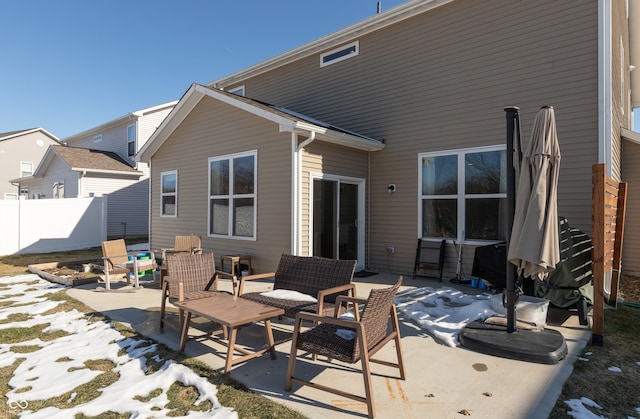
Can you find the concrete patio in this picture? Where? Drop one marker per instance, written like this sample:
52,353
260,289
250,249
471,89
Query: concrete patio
442,382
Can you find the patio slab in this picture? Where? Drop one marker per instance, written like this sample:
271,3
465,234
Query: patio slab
442,381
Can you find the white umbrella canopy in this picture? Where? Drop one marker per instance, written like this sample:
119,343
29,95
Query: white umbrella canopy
534,245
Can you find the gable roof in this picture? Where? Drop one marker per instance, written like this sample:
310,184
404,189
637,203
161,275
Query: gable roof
376,22
85,160
13,134
288,120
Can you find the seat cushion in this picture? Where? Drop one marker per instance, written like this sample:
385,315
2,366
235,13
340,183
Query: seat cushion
290,307
325,340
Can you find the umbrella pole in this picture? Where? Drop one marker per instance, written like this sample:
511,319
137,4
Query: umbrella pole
546,346
510,298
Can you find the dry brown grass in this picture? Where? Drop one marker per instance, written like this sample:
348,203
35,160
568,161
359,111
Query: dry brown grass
615,392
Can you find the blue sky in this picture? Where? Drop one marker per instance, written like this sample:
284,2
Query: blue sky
70,65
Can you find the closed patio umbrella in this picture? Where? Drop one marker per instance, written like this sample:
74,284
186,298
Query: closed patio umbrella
534,244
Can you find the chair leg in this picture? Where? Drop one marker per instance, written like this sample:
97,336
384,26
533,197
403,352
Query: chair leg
368,388
163,304
582,311
293,355
396,330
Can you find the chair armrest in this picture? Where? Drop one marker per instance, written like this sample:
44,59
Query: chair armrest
233,278
251,278
317,318
176,282
353,300
334,290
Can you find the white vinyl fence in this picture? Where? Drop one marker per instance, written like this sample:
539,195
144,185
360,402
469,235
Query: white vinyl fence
51,225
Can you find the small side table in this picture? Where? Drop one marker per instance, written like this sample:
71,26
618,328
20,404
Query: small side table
236,260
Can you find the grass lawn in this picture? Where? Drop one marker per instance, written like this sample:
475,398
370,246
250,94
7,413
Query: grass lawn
230,394
616,392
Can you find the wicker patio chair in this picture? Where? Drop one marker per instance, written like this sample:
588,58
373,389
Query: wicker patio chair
371,334
321,278
190,277
116,261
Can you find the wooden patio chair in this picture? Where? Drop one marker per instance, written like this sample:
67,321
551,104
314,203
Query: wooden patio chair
609,207
189,277
184,245
371,334
117,261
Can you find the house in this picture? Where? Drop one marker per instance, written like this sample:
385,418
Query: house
72,172
393,129
20,153
124,135
98,162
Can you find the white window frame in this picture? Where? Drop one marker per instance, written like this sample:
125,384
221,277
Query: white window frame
163,194
131,140
460,196
22,167
238,90
352,45
231,196
10,196
97,138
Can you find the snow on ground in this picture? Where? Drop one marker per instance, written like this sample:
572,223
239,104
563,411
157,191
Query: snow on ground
59,365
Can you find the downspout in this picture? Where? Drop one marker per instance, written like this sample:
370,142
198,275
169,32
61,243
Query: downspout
604,84
368,214
296,179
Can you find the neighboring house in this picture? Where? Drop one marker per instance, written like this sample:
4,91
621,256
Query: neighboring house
20,154
419,92
127,187
125,135
72,172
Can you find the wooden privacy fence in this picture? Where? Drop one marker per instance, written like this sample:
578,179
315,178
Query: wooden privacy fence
609,204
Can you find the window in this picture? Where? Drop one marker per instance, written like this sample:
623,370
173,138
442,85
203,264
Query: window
24,191
232,196
237,90
26,168
97,138
131,140
10,196
169,194
463,194
340,54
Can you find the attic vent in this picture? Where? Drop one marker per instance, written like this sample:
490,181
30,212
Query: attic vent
339,54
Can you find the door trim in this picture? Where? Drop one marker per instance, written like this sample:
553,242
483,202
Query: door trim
360,182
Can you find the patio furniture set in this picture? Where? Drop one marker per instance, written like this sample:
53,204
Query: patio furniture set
314,290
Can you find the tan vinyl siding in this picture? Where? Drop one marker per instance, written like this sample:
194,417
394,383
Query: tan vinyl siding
215,129
440,81
327,159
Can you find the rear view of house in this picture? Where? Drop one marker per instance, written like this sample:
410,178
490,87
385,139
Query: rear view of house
393,129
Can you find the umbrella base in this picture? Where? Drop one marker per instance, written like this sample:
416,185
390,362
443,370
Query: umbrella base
544,347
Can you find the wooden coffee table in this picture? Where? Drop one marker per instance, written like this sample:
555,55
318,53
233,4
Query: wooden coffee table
231,312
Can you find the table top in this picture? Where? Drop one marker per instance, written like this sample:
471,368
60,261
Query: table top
228,310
